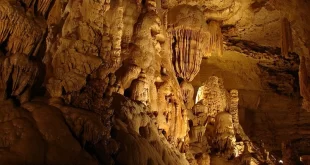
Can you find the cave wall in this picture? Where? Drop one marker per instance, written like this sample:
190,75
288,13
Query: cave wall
118,77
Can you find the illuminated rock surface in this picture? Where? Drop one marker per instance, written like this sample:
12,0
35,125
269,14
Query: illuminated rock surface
145,82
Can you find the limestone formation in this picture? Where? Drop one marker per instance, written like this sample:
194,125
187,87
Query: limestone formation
225,140
214,123
21,72
113,82
233,108
14,22
140,90
213,95
187,94
189,40
171,114
287,40
216,38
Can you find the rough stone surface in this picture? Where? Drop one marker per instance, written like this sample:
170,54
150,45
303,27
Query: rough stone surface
114,82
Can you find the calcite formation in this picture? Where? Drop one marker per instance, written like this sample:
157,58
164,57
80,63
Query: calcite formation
21,72
225,140
114,81
187,52
213,95
191,39
14,22
187,94
171,115
216,38
140,89
287,40
233,108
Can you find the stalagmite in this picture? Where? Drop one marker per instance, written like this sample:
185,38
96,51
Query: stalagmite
211,101
287,40
225,136
233,108
214,118
117,30
140,89
213,96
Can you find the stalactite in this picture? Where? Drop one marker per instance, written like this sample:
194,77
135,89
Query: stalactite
5,30
6,70
189,36
21,32
6,16
22,71
23,35
287,40
43,6
188,51
216,38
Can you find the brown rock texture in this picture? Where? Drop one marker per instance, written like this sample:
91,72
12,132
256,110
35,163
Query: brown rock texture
148,82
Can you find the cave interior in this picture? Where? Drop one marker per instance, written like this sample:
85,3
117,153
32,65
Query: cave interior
154,82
